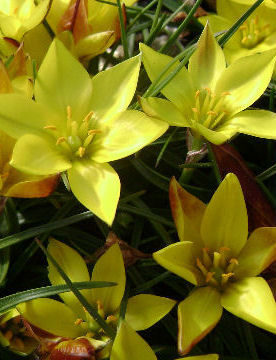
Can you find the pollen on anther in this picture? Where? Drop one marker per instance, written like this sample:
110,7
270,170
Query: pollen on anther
50,127
78,321
195,110
81,151
94,131
88,116
211,112
60,140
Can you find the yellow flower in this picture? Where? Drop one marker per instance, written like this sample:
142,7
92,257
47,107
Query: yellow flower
209,98
257,34
87,28
71,321
215,255
79,125
17,17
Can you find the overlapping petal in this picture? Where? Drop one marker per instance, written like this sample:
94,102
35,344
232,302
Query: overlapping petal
110,267
208,62
37,155
113,143
180,89
258,253
252,300
245,89
187,211
231,229
74,267
260,123
96,186
180,258
145,310
198,314
59,68
129,345
113,89
164,110
44,313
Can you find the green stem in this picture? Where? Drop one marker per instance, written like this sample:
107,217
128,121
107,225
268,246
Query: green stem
214,162
123,30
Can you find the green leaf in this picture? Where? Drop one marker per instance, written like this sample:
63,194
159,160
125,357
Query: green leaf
9,302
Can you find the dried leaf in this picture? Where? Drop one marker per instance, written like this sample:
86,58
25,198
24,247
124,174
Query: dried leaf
260,211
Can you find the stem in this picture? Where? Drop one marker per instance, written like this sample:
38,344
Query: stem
214,162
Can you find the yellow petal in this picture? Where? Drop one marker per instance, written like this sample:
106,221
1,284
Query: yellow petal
180,90
258,253
74,267
96,186
246,79
113,89
164,110
180,258
129,345
225,223
187,211
198,314
145,310
52,316
207,62
113,143
259,123
201,357
39,156
252,300
110,267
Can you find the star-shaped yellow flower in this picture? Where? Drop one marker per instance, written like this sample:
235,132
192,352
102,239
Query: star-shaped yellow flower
257,33
210,98
69,320
79,125
215,255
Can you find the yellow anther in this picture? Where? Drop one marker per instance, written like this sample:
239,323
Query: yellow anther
81,151
88,116
111,318
197,93
244,40
226,277
50,127
232,264
234,261
206,258
244,27
60,140
211,112
225,93
78,321
69,112
224,249
195,110
8,335
94,131
208,90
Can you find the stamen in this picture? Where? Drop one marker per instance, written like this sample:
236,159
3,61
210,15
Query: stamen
111,319
210,279
197,93
226,277
233,263
50,127
81,151
206,258
216,260
60,140
94,131
201,267
78,321
88,116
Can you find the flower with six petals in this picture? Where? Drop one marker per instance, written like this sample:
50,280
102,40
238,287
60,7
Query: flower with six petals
215,255
79,125
209,98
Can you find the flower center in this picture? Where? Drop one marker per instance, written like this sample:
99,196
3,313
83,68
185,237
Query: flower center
78,136
254,32
209,109
217,268
14,333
